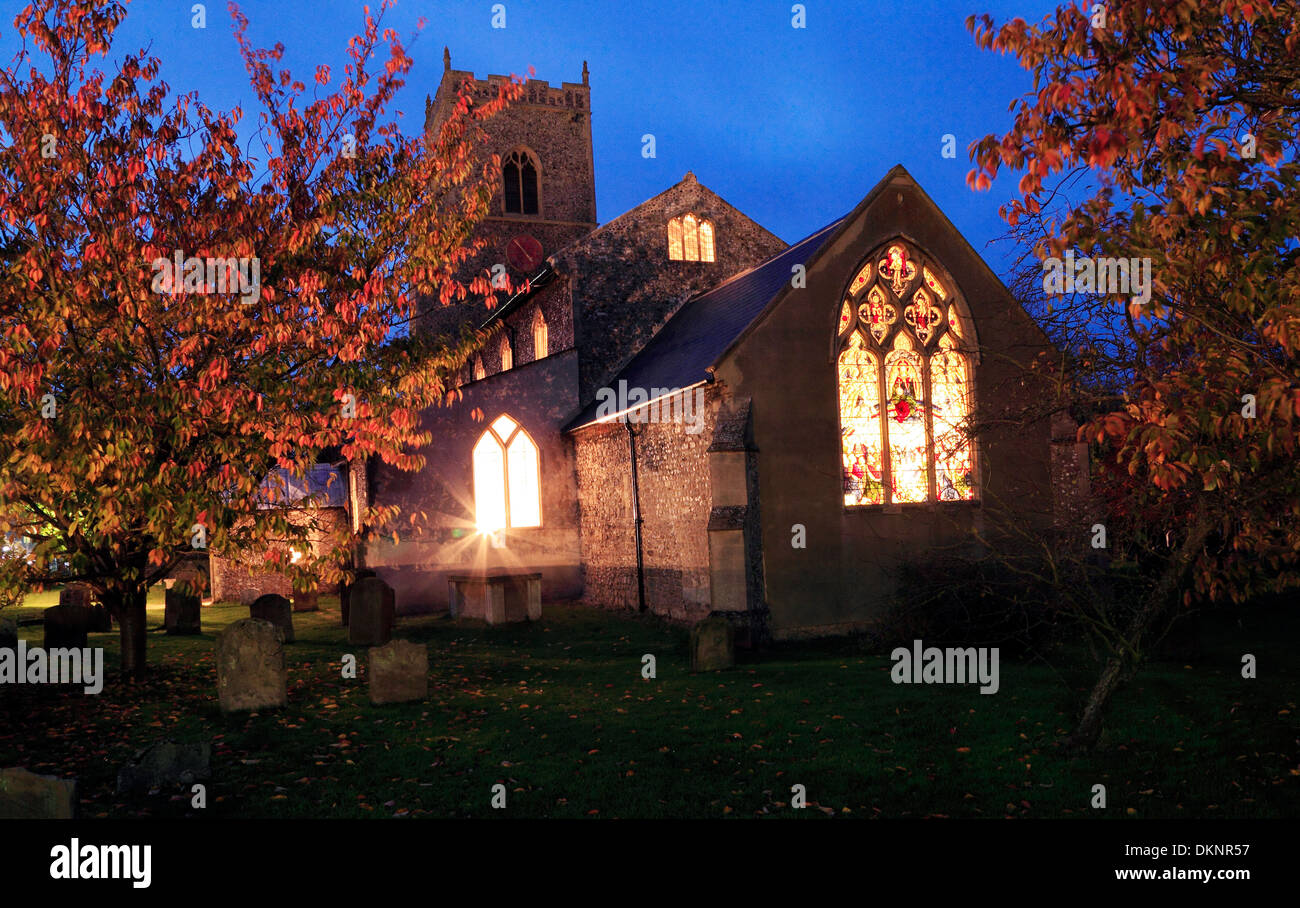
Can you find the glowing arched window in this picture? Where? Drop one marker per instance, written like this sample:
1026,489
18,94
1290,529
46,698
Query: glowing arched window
706,241
904,377
479,371
507,354
507,481
690,239
519,174
541,348
675,239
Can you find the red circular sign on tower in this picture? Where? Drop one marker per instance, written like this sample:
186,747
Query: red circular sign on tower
524,253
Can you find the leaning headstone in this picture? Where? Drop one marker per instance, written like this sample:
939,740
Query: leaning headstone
165,764
372,614
27,796
8,634
275,609
250,666
712,645
345,592
183,615
399,672
67,626
306,602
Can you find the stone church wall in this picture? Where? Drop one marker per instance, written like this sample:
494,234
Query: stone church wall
243,580
675,499
628,286
540,397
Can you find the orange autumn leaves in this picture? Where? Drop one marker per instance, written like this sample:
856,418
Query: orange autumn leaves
176,405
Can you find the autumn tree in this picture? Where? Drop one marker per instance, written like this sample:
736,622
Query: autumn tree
181,318
1180,117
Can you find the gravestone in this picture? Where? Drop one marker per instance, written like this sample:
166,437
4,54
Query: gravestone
306,602
184,611
164,764
345,592
275,609
67,626
27,796
712,645
8,634
399,672
83,596
372,614
250,666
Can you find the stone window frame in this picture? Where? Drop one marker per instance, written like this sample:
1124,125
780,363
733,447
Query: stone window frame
516,157
854,294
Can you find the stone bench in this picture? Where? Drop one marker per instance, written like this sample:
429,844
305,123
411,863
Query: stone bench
497,596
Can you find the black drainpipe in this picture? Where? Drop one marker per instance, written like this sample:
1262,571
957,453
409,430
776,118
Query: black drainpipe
636,518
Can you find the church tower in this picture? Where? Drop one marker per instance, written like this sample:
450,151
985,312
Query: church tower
546,190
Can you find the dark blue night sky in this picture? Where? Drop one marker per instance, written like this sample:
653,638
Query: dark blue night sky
792,126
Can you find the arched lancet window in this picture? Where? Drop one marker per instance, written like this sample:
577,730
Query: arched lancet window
519,173
690,239
904,378
541,347
507,479
479,371
507,354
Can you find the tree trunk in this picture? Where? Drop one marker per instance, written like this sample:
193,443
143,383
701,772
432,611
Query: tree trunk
1124,660
131,620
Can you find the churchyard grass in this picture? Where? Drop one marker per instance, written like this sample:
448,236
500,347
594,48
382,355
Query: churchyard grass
559,713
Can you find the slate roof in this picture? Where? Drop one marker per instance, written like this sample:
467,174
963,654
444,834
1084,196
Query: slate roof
705,326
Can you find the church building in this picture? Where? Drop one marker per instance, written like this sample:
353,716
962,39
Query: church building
686,415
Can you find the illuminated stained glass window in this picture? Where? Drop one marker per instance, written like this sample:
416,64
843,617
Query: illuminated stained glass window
690,239
860,424
507,481
479,371
950,391
507,354
904,384
905,423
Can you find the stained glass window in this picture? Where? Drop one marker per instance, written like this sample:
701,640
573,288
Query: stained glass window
507,354
950,391
860,424
904,384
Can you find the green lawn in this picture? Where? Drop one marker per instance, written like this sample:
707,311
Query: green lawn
559,713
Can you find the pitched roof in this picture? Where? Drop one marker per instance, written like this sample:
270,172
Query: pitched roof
680,355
